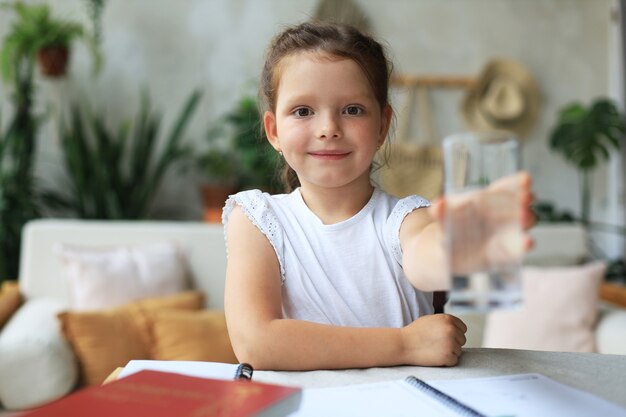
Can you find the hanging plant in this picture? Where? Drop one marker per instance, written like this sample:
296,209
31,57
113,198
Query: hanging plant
36,34
95,9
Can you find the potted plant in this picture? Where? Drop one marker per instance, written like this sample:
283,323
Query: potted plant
237,158
219,172
18,202
37,35
114,174
257,158
585,137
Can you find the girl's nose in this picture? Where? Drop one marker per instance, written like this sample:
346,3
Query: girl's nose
329,128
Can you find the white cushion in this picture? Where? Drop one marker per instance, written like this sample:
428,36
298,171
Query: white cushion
106,277
611,331
37,365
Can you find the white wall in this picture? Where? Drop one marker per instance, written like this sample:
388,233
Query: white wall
173,47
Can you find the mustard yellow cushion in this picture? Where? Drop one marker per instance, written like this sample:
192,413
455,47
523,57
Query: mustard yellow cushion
10,300
191,335
105,340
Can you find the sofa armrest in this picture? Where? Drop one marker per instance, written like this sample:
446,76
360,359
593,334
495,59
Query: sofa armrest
611,331
37,365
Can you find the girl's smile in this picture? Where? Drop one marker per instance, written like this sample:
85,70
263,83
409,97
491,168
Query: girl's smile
329,155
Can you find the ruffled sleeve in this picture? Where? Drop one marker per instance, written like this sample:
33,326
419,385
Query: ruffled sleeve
256,206
399,212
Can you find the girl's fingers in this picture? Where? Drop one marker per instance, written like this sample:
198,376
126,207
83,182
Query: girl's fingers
528,219
437,209
529,243
520,180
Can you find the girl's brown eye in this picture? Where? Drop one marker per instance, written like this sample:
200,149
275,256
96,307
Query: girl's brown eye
354,110
303,112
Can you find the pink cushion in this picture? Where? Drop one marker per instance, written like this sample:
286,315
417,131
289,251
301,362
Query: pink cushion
559,311
106,277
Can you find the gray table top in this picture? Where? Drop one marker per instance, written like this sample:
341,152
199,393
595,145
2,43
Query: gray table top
599,374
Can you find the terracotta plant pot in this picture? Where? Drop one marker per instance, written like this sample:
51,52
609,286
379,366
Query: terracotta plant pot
53,61
213,198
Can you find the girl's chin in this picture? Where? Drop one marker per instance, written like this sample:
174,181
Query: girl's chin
336,183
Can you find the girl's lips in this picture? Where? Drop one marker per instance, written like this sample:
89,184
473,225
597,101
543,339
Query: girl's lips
329,155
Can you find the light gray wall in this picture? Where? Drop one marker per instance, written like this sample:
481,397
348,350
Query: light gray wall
172,47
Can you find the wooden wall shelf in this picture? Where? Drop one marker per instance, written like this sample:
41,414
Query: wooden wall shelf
434,81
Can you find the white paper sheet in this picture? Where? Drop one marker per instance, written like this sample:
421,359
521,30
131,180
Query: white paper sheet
524,395
527,395
214,370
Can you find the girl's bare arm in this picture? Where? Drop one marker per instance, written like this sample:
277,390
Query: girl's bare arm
262,337
424,259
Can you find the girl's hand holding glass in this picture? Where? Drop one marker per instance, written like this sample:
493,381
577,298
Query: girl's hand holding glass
487,227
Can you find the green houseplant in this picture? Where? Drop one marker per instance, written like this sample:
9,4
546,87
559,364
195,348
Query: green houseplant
257,158
237,138
585,137
218,168
115,173
17,195
18,203
35,33
237,150
237,157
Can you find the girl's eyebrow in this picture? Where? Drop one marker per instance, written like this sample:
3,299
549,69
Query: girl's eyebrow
299,98
348,98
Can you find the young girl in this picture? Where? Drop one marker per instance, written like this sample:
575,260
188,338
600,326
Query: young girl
337,273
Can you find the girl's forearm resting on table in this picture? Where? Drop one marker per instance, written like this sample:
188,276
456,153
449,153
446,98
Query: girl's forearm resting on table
285,344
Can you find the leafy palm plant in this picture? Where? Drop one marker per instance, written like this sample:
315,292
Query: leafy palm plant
585,137
115,174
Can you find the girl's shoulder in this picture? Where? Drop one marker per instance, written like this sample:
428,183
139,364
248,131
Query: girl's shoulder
398,210
260,207
255,197
401,205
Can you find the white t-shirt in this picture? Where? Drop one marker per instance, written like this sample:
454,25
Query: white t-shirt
348,273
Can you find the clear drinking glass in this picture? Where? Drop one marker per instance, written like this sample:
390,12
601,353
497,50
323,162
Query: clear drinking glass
483,221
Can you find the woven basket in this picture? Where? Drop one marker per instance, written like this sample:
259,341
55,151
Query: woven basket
414,166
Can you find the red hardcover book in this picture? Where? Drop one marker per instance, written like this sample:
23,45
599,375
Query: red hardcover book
164,394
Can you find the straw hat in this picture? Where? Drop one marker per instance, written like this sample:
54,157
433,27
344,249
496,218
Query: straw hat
504,97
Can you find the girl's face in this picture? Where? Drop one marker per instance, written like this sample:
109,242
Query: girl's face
328,123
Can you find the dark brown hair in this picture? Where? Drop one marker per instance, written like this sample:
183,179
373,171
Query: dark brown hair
328,39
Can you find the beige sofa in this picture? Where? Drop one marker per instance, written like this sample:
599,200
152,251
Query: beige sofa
37,365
